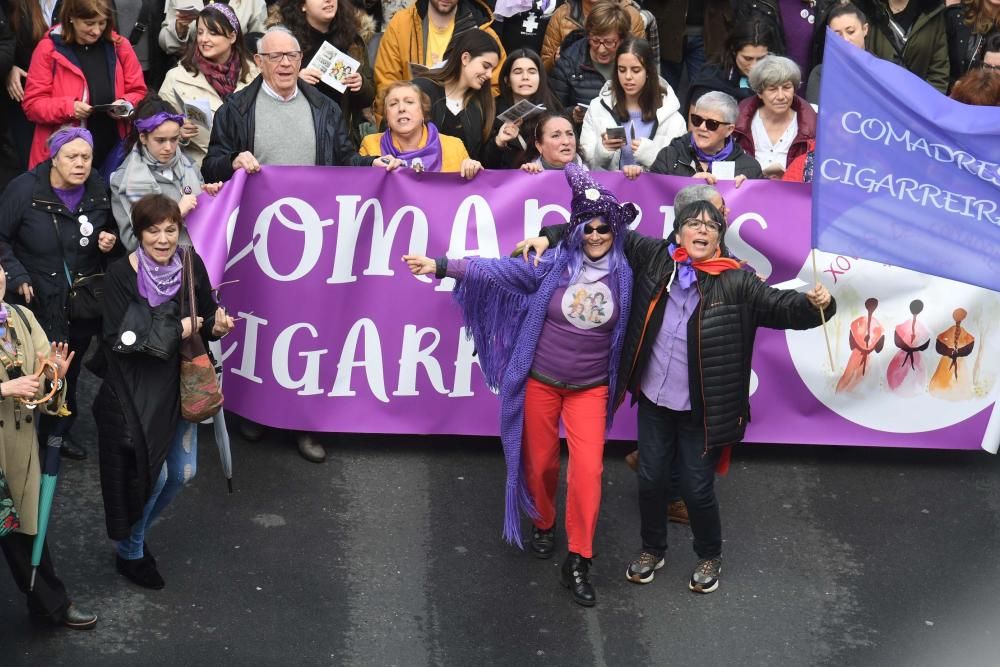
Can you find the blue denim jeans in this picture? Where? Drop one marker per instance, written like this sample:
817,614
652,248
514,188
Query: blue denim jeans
670,438
179,468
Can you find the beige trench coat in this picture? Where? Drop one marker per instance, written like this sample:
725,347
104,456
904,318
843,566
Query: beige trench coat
181,86
19,447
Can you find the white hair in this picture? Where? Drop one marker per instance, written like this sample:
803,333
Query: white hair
720,102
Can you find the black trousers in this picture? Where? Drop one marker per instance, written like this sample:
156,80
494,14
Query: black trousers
48,599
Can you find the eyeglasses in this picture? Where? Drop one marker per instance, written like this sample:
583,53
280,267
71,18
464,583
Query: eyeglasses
987,66
597,42
710,123
600,229
697,224
278,56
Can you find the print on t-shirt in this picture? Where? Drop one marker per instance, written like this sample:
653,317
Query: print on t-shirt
587,305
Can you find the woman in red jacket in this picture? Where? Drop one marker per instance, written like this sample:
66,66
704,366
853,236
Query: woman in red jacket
81,64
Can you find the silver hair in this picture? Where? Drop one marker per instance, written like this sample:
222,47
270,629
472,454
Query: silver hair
774,71
693,193
279,28
720,102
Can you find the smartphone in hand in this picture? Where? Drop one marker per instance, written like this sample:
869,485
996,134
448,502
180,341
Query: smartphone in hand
616,133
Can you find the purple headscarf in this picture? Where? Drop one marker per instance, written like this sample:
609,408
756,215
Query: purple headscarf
429,156
147,125
64,135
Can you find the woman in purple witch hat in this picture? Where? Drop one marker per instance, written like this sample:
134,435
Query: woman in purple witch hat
549,365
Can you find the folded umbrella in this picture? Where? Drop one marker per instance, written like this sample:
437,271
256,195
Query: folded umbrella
50,474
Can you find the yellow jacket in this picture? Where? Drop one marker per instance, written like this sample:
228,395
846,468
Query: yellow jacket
403,43
452,149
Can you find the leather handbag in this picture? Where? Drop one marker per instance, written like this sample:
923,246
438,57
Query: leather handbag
201,397
9,521
85,297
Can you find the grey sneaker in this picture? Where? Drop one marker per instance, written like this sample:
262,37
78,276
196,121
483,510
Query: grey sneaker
643,567
705,578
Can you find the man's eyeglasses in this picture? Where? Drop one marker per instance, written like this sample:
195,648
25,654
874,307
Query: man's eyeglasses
697,224
987,66
597,43
600,229
278,56
710,123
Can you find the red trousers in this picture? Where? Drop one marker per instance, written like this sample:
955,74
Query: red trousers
584,415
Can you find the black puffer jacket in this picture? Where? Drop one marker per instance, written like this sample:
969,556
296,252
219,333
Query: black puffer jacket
677,159
965,47
38,234
233,132
574,79
720,333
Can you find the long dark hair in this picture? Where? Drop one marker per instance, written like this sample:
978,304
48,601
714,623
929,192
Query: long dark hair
543,96
26,16
651,95
475,42
217,24
752,33
150,105
346,23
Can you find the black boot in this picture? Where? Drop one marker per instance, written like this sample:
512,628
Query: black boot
141,572
576,577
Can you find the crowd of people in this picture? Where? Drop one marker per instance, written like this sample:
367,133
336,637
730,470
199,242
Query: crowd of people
117,114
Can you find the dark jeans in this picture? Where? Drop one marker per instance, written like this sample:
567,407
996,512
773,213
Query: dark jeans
693,58
668,438
49,597
80,335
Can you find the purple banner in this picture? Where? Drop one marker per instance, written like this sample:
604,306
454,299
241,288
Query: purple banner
338,336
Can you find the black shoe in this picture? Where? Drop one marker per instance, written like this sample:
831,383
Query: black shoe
705,578
310,450
141,572
148,554
71,450
576,577
543,542
78,619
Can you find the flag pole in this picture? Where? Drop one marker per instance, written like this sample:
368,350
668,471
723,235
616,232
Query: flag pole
822,315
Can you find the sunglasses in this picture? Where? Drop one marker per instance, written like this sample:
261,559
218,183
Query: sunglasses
710,123
600,229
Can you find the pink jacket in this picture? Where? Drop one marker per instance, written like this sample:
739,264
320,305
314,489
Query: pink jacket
55,82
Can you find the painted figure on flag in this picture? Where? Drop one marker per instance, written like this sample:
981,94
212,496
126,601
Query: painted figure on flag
867,337
907,374
953,380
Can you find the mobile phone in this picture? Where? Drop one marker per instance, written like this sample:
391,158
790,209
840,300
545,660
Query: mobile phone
581,105
616,132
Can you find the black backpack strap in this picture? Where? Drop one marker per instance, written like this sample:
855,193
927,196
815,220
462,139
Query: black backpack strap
17,309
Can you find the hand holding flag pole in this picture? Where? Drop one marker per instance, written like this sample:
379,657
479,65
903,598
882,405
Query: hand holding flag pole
822,315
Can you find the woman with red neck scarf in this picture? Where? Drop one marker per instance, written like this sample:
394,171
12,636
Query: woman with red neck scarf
687,352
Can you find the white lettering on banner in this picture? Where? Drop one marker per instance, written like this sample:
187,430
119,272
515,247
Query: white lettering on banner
312,236
414,355
487,240
247,366
668,221
534,216
308,384
351,219
465,359
744,250
924,194
372,362
883,132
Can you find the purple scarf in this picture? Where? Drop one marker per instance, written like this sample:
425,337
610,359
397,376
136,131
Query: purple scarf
721,156
504,304
158,283
686,275
429,156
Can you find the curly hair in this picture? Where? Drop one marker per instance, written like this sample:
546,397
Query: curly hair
346,23
979,87
978,17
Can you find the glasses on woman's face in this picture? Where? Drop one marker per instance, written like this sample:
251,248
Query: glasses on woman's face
697,225
609,43
278,56
596,229
710,123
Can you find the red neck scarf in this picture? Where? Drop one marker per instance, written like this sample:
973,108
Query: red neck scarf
223,77
712,267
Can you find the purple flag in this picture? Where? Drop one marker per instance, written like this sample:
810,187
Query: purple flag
905,175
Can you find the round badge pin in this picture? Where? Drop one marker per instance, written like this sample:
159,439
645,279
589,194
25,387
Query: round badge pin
84,242
86,229
83,219
187,189
128,338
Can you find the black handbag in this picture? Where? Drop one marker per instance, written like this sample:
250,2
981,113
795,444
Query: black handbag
86,295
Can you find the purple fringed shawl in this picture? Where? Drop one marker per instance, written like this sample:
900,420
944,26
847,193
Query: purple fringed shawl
504,303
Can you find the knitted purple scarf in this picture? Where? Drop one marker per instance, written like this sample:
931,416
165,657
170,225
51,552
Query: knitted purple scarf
429,155
504,304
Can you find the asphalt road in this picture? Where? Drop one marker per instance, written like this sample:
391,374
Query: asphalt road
390,554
